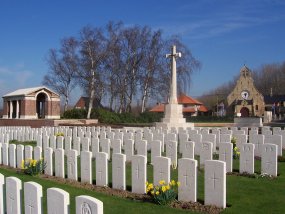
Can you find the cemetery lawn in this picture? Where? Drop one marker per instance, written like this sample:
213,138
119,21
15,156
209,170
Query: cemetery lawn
244,194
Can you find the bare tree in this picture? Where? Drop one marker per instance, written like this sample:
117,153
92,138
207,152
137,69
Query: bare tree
63,65
92,57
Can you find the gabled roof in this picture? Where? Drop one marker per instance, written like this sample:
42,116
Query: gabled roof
268,99
26,91
184,99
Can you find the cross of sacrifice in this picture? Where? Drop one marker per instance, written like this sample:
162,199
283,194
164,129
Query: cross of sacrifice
173,88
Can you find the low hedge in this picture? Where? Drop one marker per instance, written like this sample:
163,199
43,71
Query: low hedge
108,117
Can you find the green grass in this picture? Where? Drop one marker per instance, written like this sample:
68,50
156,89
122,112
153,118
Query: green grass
244,195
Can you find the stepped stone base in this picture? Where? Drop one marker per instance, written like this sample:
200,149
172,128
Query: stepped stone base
173,118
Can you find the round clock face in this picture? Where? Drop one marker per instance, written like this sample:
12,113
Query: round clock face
245,94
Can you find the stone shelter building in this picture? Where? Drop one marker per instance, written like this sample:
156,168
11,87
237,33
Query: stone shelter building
245,100
31,103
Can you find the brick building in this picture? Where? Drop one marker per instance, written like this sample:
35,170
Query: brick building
31,103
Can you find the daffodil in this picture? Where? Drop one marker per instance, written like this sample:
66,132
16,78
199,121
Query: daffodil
161,182
157,192
178,183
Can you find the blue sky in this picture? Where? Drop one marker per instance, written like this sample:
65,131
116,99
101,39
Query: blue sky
222,34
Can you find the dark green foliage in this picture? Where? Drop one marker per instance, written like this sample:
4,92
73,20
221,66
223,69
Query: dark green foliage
75,114
109,117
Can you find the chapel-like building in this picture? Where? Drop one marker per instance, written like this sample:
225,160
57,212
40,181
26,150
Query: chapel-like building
31,103
245,100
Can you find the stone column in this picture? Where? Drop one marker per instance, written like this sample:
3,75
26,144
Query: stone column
11,109
173,86
17,109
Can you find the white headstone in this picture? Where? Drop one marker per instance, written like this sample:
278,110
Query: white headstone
33,194
86,166
1,153
188,149
119,171
13,195
171,152
155,149
197,139
49,161
85,144
59,163
139,174
28,152
225,138
5,154
269,159
258,141
102,169
246,164
2,184
52,142
12,155
161,169
72,165
94,146
187,175
88,205
57,201
117,146
226,155
105,145
77,144
129,149
60,142
206,152
215,183
210,138
142,148
275,139
37,153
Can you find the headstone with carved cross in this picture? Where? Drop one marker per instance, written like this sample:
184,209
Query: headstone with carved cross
86,167
226,155
269,159
187,175
13,195
119,171
102,169
246,163
215,183
33,194
72,165
139,174
161,170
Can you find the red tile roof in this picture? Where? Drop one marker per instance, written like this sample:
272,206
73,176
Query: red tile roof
184,99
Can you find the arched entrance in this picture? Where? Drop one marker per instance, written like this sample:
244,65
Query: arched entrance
41,104
244,112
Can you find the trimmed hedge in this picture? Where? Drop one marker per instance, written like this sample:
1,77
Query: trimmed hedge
105,116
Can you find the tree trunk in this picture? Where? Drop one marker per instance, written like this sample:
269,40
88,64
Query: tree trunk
91,96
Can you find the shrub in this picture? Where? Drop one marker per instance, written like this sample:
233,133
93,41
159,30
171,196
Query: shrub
75,114
59,134
33,167
163,193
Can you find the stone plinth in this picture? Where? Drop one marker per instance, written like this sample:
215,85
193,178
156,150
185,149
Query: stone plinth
173,118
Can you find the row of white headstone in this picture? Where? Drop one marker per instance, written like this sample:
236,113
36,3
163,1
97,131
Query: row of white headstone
187,172
58,200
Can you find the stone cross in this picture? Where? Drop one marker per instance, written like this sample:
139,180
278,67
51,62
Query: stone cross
173,88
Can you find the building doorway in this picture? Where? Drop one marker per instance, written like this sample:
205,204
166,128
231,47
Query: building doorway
244,112
41,105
